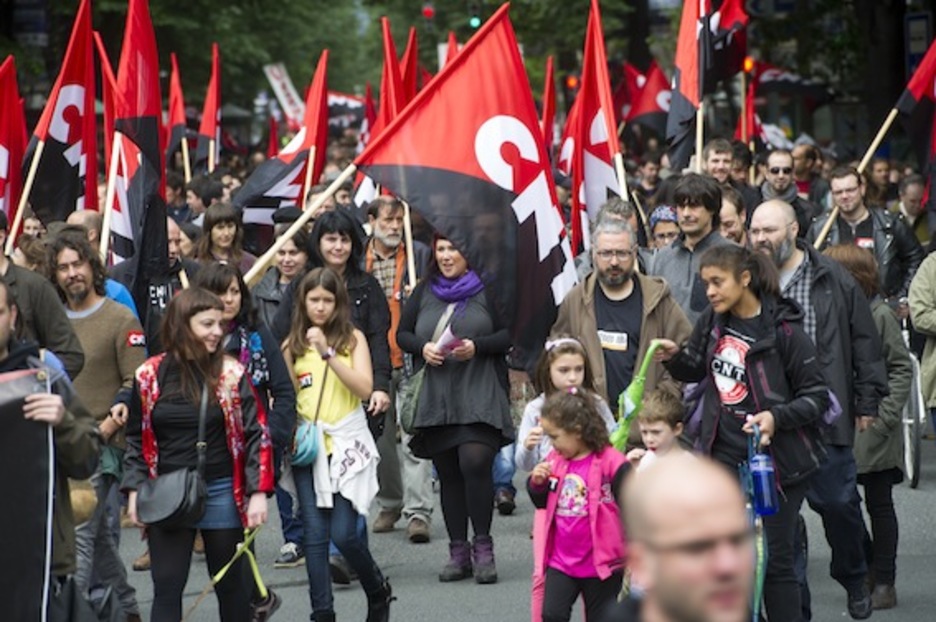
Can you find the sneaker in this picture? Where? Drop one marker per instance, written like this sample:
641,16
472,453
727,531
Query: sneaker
142,563
290,556
386,521
859,603
418,531
265,609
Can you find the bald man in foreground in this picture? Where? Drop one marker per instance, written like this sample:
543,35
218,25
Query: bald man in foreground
690,546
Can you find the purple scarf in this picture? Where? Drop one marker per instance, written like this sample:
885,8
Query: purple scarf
457,290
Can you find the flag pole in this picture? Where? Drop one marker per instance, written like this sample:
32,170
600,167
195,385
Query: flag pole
833,216
744,127
211,155
24,196
264,260
186,162
752,172
109,196
307,182
410,251
625,191
700,118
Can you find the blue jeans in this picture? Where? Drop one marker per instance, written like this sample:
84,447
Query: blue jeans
289,517
340,524
504,469
833,494
361,534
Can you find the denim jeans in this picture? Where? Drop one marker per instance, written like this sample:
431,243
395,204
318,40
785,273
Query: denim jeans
340,524
504,469
833,494
290,520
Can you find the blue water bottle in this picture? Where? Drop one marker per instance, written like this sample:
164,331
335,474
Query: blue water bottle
764,483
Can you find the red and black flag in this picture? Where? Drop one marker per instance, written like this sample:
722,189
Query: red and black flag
138,120
594,135
392,101
177,121
13,140
626,92
488,187
66,177
370,117
209,132
652,104
549,106
727,25
278,182
918,104
772,79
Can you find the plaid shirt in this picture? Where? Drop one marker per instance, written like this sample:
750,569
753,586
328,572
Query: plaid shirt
385,272
800,289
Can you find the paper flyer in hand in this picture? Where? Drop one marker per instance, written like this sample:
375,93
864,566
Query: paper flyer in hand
448,342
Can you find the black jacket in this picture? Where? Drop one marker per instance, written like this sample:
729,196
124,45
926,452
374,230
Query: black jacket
896,249
784,377
848,344
369,313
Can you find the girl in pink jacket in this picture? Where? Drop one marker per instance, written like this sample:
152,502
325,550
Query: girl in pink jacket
584,549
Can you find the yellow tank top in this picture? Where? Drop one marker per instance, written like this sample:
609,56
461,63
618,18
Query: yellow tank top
337,401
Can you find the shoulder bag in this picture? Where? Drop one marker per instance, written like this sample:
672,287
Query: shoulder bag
305,444
177,499
409,389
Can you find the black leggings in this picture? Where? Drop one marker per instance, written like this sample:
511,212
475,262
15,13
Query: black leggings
881,551
562,591
171,556
467,489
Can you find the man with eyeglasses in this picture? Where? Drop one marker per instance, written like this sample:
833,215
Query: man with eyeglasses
780,184
616,312
887,235
690,543
837,317
698,201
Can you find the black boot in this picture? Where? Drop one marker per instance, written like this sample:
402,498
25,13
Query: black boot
378,604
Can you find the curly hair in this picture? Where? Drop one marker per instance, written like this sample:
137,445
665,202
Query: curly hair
576,412
78,242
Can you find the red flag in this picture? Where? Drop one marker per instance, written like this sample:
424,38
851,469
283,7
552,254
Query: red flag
425,76
370,117
918,104
549,105
177,121
749,124
209,132
728,42
652,104
488,186
594,134
627,91
278,181
452,48
138,117
13,139
410,66
273,138
687,85
66,178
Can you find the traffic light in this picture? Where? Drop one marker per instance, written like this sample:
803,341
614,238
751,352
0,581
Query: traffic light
571,84
474,15
428,11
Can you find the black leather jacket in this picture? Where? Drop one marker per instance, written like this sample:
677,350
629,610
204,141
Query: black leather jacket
896,249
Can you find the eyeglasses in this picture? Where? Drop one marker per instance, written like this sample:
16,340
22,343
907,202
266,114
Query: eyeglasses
841,191
608,255
786,170
666,237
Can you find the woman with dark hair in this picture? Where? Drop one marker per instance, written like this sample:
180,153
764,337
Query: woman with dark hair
879,451
162,431
463,414
223,238
251,343
330,363
291,262
761,369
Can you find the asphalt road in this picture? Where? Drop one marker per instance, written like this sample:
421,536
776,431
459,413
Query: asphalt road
413,570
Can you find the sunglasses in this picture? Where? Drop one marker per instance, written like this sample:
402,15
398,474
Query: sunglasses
786,170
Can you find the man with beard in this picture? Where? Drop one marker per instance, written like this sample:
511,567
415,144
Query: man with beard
809,185
616,312
732,217
114,346
837,317
698,201
405,480
690,545
779,184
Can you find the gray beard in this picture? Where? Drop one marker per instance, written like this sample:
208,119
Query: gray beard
387,240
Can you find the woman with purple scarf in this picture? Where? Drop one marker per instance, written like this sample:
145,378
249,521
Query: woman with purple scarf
463,414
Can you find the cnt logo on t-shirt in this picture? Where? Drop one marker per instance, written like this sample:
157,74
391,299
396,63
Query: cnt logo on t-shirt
728,369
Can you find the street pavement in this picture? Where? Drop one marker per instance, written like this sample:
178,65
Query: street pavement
413,569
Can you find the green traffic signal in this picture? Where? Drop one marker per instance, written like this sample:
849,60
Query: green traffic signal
474,21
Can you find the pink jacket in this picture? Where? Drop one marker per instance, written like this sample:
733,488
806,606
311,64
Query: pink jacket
609,547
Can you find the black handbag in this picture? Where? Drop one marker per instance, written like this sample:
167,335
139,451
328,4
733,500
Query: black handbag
177,499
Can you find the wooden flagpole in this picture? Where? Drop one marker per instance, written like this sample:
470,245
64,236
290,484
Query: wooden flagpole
833,216
410,252
307,182
116,153
626,194
24,197
186,161
699,121
211,155
264,260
